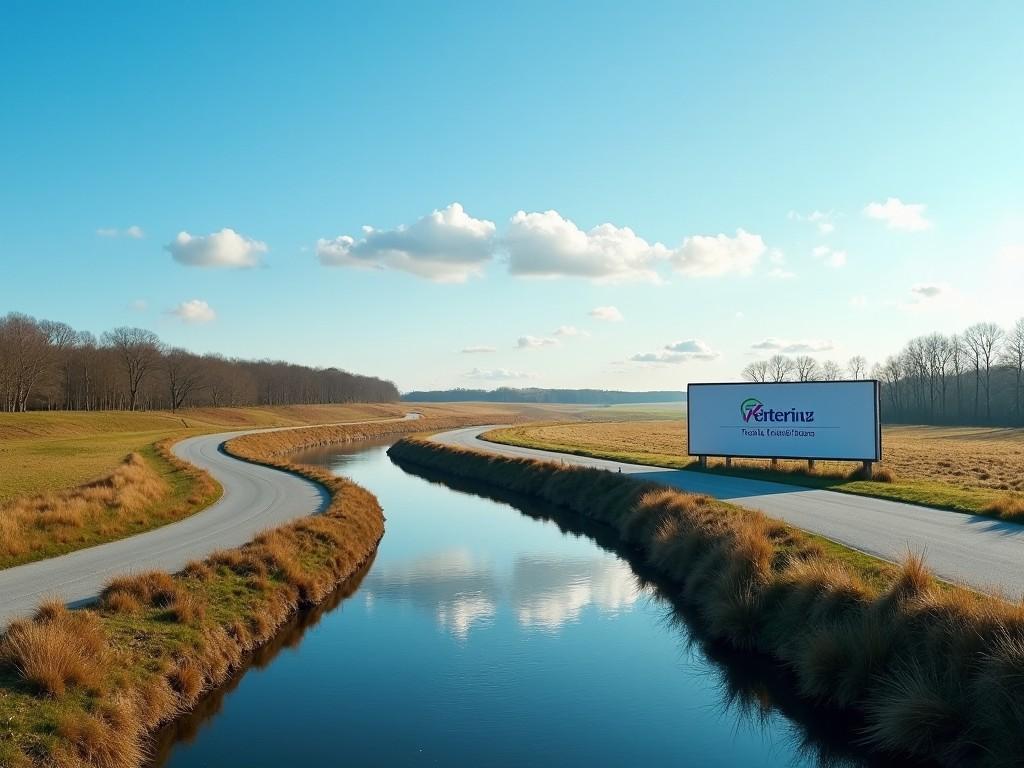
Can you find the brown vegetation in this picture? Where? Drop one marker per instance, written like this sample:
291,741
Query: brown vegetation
933,670
133,498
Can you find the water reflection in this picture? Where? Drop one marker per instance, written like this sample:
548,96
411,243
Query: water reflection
541,591
481,636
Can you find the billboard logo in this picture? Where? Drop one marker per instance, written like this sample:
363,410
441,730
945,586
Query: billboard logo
750,407
753,409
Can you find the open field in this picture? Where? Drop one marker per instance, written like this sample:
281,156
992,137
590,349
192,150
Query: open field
928,669
963,468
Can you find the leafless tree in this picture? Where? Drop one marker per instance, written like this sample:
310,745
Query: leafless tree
139,351
780,368
756,371
805,367
1013,356
857,366
831,371
984,340
184,375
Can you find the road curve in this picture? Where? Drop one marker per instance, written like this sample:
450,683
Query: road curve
981,552
255,498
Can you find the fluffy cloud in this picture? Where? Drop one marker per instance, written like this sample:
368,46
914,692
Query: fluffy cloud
548,245
569,330
535,342
226,248
134,231
608,314
678,352
497,374
194,311
908,217
715,255
930,297
477,349
803,346
822,219
446,246
830,257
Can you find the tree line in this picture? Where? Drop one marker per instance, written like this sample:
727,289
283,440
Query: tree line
538,395
972,377
48,365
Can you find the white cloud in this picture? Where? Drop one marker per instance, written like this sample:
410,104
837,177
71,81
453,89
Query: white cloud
570,330
535,342
608,314
497,374
830,257
477,349
859,301
134,231
778,273
908,217
824,220
802,346
927,297
194,311
549,245
446,246
226,248
714,255
678,352
139,305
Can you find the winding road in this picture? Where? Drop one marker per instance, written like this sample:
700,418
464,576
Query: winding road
255,498
982,552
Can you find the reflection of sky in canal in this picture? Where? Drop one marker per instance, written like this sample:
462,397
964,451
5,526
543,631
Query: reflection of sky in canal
541,592
481,636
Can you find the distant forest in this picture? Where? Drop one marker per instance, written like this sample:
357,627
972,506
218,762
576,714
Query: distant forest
975,377
534,395
47,365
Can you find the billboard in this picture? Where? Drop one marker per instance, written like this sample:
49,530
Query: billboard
788,420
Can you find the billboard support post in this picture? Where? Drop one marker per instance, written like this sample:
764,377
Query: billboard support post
810,465
728,462
703,461
868,470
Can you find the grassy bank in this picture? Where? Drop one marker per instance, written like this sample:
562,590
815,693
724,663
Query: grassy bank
150,488
932,671
88,687
978,471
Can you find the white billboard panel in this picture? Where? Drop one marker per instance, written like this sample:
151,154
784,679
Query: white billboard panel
805,420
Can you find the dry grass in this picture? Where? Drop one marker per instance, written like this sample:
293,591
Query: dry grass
142,493
961,468
56,649
934,671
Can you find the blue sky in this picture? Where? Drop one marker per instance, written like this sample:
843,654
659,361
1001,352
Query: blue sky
714,130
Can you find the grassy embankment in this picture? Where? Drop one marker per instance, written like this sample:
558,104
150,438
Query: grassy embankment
85,688
931,670
974,470
73,480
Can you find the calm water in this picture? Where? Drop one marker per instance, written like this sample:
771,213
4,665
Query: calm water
483,635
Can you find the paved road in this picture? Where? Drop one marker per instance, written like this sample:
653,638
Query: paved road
980,551
255,498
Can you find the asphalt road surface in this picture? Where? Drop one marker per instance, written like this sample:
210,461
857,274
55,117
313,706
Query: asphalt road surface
255,498
981,552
